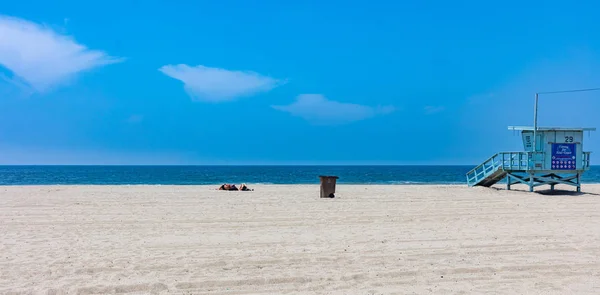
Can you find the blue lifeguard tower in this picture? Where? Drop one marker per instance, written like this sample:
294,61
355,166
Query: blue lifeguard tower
551,156
555,157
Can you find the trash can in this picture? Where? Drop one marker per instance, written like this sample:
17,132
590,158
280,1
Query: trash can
328,186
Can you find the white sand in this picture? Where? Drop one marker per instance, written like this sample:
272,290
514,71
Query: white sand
284,239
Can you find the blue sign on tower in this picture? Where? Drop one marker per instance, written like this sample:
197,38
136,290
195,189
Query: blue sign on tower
564,156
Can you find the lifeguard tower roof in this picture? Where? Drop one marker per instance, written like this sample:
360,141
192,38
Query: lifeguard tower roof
529,128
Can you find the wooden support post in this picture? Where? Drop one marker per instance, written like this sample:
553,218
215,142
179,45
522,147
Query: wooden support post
578,182
531,182
508,181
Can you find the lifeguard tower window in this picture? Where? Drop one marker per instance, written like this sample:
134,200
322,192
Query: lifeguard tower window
557,158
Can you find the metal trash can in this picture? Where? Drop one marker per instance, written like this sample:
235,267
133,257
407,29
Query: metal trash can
328,186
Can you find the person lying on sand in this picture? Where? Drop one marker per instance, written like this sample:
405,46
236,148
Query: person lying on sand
244,187
232,187
228,187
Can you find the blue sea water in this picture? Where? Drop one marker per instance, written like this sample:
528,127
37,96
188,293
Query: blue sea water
190,175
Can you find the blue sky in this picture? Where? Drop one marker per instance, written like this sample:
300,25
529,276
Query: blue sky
282,82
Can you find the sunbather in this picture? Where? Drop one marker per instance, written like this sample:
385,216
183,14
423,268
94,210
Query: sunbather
244,187
228,187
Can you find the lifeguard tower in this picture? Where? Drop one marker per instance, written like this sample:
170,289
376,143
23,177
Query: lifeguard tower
551,156
558,158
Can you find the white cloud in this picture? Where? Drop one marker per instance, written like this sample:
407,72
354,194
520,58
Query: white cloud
217,85
318,109
42,58
434,109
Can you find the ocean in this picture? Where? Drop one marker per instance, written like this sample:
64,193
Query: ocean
213,175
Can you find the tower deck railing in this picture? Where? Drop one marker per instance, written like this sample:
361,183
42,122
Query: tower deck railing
586,160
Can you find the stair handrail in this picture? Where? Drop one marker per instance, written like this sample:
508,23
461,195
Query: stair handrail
482,164
474,176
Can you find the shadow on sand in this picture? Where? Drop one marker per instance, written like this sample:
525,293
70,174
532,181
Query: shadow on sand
557,192
549,192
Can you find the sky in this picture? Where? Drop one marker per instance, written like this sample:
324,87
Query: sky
289,82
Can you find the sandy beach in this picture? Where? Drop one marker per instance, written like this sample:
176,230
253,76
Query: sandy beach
285,240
